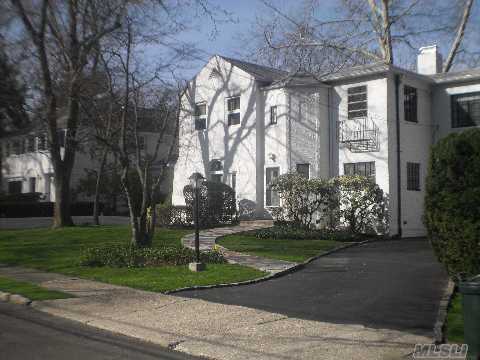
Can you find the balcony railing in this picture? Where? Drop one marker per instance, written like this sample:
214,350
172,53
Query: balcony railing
359,134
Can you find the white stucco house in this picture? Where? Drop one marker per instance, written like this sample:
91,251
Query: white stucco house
26,166
244,124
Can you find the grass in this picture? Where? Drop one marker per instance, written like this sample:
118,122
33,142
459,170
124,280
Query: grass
59,250
282,249
31,291
455,321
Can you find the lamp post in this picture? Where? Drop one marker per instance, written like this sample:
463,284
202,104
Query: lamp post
196,181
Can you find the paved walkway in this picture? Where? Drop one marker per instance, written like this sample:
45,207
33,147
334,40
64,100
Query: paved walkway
207,242
389,284
215,330
42,222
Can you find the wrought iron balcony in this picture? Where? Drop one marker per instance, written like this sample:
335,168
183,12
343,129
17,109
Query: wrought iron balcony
359,134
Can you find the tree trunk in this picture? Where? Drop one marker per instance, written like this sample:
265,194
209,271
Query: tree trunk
96,199
61,215
458,37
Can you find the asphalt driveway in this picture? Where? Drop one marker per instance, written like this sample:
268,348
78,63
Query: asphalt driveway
392,284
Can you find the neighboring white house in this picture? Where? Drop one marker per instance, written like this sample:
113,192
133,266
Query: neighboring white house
244,124
27,168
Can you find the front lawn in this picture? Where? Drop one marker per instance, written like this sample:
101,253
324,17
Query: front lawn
31,291
283,249
59,251
455,321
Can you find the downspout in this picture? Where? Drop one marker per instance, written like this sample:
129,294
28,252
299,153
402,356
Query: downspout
399,166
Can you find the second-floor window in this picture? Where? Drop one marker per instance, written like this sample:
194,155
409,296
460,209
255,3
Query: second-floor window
357,102
466,110
200,116
360,168
273,115
233,107
410,103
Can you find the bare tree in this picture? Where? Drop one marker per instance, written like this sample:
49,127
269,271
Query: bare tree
459,35
147,135
362,31
66,36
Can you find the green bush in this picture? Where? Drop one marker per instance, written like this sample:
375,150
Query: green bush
217,204
302,199
131,257
294,233
452,202
363,207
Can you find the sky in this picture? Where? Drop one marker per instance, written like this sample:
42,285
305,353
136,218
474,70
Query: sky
227,40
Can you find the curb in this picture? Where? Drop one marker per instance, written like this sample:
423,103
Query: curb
440,322
14,298
270,276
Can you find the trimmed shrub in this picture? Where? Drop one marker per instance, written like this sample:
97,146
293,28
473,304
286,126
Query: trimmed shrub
293,233
452,210
363,207
22,197
42,209
302,199
34,209
216,203
132,257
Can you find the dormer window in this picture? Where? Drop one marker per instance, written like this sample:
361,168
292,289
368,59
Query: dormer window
200,116
233,107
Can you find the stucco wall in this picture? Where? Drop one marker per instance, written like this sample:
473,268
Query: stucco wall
234,145
415,143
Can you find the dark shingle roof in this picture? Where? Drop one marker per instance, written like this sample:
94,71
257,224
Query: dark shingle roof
260,72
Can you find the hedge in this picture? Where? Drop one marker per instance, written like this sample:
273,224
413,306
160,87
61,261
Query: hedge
42,209
452,202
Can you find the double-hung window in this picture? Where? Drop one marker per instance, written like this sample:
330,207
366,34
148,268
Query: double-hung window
410,103
357,102
413,176
304,170
466,110
360,168
233,113
200,116
273,115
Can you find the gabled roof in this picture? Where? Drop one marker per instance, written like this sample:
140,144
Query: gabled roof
259,72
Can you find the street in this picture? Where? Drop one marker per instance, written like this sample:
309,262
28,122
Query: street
27,334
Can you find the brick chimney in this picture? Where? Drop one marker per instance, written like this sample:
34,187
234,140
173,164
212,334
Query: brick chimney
429,60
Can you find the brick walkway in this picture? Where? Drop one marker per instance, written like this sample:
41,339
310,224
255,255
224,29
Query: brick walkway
207,242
